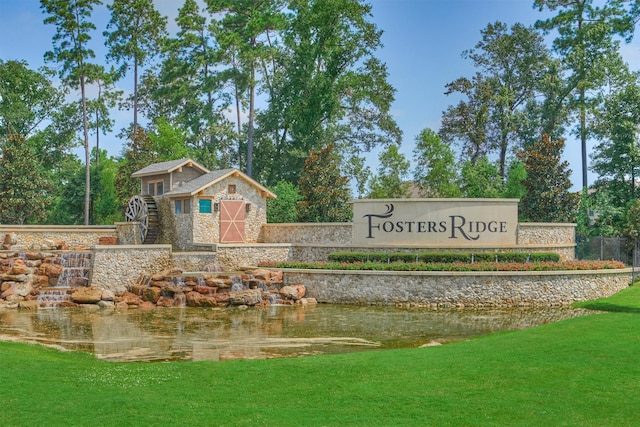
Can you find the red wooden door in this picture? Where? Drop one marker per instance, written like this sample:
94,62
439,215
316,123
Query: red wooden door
232,221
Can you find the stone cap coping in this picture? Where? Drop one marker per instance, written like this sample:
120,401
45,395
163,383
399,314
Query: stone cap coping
603,271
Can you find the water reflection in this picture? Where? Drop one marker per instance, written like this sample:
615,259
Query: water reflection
277,331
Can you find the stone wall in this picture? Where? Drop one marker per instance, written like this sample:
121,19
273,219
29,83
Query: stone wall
45,237
459,289
315,233
314,241
117,267
235,257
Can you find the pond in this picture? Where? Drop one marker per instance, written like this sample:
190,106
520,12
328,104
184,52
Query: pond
258,333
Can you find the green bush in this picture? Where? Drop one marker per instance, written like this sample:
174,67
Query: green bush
442,257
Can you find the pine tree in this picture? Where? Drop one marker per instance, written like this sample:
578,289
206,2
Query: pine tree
547,184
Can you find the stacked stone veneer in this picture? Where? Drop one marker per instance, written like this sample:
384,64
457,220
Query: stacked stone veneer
313,242
459,289
118,267
37,238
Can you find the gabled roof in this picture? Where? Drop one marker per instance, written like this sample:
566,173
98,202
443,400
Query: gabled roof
168,167
200,183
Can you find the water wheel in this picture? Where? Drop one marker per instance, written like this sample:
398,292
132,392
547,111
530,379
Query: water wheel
143,209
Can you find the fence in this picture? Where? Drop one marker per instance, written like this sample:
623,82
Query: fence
610,248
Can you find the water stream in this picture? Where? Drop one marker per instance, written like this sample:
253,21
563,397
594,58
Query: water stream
277,331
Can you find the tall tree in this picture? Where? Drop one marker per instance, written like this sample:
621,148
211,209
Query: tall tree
548,198
435,169
72,19
511,63
325,191
189,90
330,89
245,30
390,182
586,43
137,30
23,188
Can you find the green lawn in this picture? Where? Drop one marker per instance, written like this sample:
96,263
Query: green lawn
579,372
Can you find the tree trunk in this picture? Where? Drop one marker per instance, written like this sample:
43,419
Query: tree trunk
87,153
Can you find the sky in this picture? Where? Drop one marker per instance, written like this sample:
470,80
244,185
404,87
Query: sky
423,44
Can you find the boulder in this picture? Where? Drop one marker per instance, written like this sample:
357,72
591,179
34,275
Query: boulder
131,299
86,295
108,240
28,305
293,292
151,294
108,295
249,297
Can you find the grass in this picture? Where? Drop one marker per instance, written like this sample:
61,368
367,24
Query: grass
579,372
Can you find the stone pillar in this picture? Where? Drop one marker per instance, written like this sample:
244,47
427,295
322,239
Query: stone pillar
128,233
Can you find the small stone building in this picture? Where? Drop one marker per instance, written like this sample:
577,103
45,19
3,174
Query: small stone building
197,208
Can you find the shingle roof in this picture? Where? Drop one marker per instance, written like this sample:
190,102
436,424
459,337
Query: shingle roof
167,167
200,183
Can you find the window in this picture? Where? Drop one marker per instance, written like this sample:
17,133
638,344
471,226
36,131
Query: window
156,188
183,206
231,189
204,205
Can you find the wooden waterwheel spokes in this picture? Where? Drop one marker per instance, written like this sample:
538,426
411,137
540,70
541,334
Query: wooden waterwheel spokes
143,209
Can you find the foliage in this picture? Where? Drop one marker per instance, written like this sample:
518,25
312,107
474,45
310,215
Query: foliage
324,190
443,257
70,49
514,187
452,266
481,180
68,193
547,183
137,31
389,183
588,50
23,188
138,153
283,209
106,206
434,172
511,66
328,88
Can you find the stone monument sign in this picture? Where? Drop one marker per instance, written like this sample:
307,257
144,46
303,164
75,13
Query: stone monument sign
455,223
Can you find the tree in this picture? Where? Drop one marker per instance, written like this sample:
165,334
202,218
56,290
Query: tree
283,209
138,29
548,198
481,180
23,189
511,66
107,206
330,88
244,30
514,187
189,92
70,49
390,181
586,45
434,173
617,127
325,192
138,153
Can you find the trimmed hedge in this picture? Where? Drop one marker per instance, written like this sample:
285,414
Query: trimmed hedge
443,257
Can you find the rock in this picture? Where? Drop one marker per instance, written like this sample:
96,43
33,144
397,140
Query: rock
131,299
146,306
19,289
151,294
249,297
108,240
50,270
293,292
262,274
108,295
306,301
86,295
276,276
28,305
106,304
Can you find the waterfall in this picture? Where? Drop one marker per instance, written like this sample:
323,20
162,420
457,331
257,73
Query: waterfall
75,269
